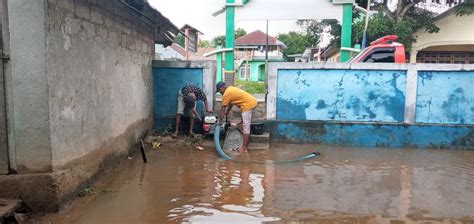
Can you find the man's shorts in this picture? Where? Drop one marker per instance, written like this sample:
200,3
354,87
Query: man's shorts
182,109
246,121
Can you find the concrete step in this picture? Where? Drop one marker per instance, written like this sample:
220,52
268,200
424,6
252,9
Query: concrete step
259,146
263,138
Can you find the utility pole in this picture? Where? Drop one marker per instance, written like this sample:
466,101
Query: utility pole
266,63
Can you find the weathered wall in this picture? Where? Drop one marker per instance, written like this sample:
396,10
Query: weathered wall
99,73
78,94
3,121
29,86
445,97
373,134
372,104
343,95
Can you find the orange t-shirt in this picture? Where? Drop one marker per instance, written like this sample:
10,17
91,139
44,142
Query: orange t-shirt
238,97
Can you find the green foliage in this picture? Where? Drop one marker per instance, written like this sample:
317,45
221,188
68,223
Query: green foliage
465,9
251,86
180,40
218,41
380,25
316,28
239,32
204,43
295,42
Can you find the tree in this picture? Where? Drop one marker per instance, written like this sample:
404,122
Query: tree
204,43
465,9
218,41
316,28
180,40
402,21
295,42
239,32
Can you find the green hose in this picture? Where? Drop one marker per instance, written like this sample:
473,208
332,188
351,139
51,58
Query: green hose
222,154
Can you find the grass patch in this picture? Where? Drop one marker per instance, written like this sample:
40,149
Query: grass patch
251,86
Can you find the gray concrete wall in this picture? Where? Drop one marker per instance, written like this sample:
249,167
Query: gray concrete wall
29,87
78,89
3,120
99,65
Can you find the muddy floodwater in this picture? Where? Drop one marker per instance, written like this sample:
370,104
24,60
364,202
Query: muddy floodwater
343,185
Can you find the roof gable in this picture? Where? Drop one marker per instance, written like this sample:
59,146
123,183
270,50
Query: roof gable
257,38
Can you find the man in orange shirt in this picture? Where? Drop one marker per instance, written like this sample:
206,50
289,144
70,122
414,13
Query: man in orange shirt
234,96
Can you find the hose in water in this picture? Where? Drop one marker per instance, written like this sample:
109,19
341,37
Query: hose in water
222,154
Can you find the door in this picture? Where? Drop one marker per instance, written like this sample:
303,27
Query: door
3,120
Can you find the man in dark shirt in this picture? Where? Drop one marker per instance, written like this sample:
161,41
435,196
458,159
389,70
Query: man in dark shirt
187,97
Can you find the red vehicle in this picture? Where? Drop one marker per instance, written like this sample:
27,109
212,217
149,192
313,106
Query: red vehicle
382,50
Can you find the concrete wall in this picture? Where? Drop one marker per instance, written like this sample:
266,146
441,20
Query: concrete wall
343,95
372,104
30,113
454,30
3,121
79,94
445,97
99,73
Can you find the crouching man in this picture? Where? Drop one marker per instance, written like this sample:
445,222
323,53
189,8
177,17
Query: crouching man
187,97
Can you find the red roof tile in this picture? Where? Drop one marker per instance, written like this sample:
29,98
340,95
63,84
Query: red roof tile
256,38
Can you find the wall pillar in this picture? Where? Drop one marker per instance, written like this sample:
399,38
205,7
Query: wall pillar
29,86
229,72
3,126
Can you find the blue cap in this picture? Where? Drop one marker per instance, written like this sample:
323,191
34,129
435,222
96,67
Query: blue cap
219,85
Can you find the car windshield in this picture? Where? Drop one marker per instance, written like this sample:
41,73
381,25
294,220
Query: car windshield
354,59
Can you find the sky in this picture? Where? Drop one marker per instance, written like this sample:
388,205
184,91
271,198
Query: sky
198,14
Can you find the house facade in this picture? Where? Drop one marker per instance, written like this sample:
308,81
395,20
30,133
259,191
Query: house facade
250,55
453,44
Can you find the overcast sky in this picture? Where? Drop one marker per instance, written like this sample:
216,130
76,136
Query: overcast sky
198,13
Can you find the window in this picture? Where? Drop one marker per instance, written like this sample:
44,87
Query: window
445,57
382,55
245,71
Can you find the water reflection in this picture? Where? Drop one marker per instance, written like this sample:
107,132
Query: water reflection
344,185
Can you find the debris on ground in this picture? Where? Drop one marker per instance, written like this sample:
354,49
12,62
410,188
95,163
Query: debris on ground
155,145
13,211
92,191
156,139
87,191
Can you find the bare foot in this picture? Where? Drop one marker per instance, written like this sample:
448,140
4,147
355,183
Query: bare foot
240,149
174,135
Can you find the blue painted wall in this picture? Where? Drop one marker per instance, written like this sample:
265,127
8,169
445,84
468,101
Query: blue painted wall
445,97
166,84
373,135
342,95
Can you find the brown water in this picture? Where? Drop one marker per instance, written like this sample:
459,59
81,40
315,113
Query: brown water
343,185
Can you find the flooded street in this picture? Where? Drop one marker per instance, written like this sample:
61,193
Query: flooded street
343,185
